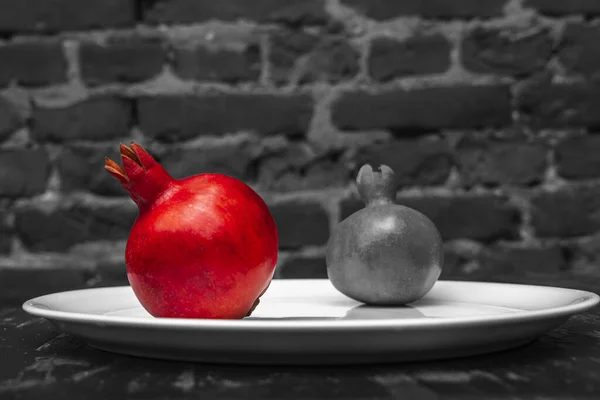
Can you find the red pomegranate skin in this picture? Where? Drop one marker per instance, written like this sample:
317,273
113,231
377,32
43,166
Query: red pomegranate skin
201,247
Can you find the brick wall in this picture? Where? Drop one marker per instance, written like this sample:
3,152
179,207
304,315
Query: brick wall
488,111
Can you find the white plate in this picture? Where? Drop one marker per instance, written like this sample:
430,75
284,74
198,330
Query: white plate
309,322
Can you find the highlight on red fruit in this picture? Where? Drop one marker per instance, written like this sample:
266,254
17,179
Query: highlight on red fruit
201,247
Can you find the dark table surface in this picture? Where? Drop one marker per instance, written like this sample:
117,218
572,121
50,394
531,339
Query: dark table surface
37,362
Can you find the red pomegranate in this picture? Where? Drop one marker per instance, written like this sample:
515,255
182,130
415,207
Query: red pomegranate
201,247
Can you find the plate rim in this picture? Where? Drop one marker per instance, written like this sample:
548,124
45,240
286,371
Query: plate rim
588,301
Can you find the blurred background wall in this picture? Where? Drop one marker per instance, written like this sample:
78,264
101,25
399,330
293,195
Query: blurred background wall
486,109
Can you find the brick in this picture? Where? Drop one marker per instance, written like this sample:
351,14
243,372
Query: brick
300,223
479,217
96,118
492,162
545,105
426,161
333,60
423,109
577,157
585,253
32,64
298,167
287,46
10,119
189,11
60,226
62,15
302,267
23,172
81,168
505,262
442,9
6,231
203,63
560,7
234,160
25,276
300,14
517,51
579,52
172,118
418,55
460,260
125,60
485,218
511,259
111,273
26,282
566,212
306,58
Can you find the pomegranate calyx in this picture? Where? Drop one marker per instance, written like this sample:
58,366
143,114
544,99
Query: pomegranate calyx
140,174
116,170
131,154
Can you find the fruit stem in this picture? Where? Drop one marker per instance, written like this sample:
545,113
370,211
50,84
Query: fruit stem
376,186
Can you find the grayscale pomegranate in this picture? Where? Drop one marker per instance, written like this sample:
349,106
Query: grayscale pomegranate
385,253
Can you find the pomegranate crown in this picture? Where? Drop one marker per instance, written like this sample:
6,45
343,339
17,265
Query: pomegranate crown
141,175
136,161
